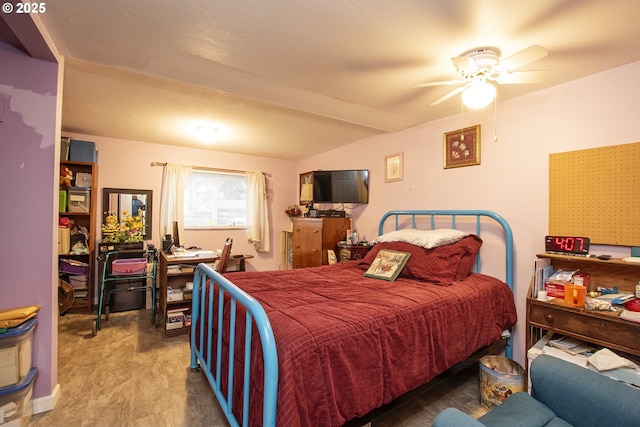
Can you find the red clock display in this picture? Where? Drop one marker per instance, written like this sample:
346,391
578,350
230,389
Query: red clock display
567,245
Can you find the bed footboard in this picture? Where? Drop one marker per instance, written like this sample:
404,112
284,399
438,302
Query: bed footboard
204,352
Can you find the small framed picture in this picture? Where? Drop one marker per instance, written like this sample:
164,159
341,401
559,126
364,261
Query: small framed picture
393,168
462,147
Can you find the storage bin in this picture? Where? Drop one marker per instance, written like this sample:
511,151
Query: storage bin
78,282
79,200
500,377
15,402
15,353
130,266
83,151
62,201
77,268
83,180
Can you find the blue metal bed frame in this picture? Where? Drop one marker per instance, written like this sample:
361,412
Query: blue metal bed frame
255,313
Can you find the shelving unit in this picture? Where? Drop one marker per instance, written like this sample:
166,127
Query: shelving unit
170,277
83,293
603,328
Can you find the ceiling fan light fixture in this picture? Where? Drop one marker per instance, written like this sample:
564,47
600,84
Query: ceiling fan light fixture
479,94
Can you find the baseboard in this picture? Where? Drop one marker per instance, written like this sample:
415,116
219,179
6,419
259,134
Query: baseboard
46,403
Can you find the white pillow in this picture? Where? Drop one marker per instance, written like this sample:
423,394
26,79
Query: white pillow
425,238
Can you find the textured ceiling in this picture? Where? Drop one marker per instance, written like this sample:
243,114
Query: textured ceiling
292,78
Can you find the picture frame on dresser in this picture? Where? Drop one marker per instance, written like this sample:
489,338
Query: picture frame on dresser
462,147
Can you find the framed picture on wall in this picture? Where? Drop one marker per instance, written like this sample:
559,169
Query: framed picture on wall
462,147
393,168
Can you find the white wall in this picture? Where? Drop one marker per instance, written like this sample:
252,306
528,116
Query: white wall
512,179
127,164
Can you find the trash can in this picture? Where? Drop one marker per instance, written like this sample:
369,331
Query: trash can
500,377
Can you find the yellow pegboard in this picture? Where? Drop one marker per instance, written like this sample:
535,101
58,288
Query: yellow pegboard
595,193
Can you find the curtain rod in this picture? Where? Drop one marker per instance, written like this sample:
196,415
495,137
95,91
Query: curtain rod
206,168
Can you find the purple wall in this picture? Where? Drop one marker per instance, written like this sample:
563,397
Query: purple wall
28,166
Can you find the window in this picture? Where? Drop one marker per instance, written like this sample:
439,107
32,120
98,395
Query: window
215,199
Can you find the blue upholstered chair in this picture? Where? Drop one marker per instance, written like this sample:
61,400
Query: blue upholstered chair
563,394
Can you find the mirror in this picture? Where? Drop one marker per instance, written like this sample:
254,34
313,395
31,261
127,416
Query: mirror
134,202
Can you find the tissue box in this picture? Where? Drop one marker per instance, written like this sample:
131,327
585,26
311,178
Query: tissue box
16,353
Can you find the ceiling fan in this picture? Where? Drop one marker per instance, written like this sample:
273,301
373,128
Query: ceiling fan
480,66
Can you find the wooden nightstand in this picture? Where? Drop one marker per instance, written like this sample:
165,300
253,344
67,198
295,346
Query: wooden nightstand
349,252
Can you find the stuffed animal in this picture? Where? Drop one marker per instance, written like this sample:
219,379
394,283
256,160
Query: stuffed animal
66,175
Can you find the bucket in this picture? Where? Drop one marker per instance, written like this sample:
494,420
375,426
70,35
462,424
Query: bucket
500,377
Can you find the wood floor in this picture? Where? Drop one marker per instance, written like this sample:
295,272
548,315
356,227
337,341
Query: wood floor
130,375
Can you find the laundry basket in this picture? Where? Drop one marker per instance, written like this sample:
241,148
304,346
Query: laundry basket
500,377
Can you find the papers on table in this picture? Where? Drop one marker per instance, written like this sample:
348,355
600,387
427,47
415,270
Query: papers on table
193,254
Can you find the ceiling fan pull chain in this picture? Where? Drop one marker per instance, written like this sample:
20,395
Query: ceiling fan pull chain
495,119
462,121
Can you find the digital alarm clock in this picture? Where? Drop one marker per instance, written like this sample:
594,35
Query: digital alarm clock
566,245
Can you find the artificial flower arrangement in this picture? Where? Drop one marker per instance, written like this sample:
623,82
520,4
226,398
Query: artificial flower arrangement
293,211
128,230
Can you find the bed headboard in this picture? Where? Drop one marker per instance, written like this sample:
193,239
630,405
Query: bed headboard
432,219
474,219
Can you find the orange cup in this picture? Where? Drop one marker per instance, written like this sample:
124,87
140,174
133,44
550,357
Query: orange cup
575,295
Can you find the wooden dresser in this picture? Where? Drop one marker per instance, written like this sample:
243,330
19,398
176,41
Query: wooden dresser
598,327
312,237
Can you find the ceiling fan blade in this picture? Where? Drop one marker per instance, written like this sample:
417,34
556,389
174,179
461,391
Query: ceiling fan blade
450,95
446,82
465,63
523,77
524,57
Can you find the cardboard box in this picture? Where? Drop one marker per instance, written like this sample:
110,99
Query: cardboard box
175,320
174,295
555,290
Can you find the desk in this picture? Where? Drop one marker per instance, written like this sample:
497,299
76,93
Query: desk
174,272
597,327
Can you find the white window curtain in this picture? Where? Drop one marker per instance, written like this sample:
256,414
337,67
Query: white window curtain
174,182
257,213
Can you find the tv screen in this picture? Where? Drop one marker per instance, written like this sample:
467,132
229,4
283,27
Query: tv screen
343,186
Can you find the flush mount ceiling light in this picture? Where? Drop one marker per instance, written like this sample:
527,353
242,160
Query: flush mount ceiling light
206,133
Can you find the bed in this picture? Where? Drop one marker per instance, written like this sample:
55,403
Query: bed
324,345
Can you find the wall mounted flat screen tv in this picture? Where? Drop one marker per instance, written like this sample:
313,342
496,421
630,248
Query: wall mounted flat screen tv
340,186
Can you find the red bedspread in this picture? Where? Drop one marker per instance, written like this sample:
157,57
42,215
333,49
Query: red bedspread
349,344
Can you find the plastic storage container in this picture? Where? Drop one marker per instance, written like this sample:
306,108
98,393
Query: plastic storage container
78,282
83,151
79,200
16,353
500,377
15,401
